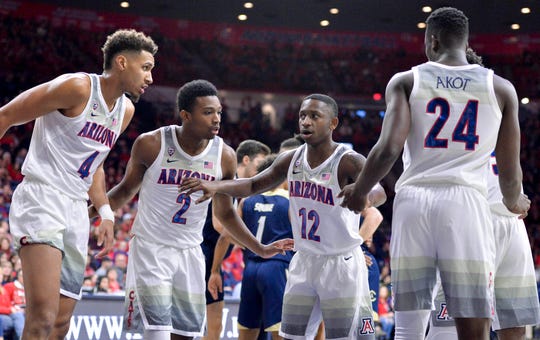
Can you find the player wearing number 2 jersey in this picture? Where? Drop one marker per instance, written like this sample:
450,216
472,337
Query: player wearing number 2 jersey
78,118
448,116
165,286
328,274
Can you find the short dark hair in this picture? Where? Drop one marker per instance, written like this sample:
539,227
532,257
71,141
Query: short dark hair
266,163
126,40
448,24
326,99
291,143
251,148
189,92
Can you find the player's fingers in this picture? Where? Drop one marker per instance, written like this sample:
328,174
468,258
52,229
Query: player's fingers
203,198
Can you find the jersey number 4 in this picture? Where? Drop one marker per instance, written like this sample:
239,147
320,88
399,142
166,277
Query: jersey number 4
464,131
84,169
311,216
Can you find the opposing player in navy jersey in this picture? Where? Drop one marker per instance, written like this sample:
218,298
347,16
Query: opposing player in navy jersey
328,275
447,116
165,286
78,118
263,283
217,244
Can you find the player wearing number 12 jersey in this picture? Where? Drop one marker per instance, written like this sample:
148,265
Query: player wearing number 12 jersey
328,274
447,116
165,286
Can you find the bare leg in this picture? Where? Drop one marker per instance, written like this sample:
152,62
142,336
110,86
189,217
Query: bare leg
275,336
214,316
248,334
473,328
61,325
516,333
41,266
180,337
320,332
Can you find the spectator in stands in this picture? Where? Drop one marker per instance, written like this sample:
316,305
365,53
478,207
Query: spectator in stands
15,291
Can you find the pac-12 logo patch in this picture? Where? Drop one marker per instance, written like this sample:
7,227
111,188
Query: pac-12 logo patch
170,151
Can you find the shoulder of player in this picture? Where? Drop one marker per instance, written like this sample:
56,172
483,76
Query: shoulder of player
147,146
228,162
352,161
77,85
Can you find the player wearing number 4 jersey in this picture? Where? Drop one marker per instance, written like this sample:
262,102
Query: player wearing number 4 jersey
328,274
165,286
448,116
78,118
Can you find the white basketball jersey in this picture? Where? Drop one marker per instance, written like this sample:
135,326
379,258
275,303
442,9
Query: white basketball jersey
494,190
165,215
455,120
320,225
65,152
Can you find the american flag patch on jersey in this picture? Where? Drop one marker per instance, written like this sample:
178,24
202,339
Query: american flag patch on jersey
325,176
208,165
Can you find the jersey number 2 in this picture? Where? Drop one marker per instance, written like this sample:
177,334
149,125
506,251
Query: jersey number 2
312,216
465,130
185,200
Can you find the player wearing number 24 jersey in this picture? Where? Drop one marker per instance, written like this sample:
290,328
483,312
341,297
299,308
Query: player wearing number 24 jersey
447,116
327,275
165,286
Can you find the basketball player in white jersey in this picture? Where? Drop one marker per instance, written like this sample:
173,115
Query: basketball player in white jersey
327,275
516,295
165,285
449,115
78,119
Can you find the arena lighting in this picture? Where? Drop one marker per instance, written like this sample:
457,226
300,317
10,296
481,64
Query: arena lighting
515,27
325,23
524,100
377,96
426,9
124,4
525,10
334,11
248,5
242,17
421,25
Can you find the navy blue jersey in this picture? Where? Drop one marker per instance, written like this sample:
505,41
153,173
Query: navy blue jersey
267,217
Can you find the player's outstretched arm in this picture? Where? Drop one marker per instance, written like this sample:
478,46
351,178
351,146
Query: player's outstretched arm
67,93
395,129
241,187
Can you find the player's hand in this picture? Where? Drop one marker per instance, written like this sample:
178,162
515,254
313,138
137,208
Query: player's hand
369,260
105,237
277,247
521,207
191,185
352,200
215,285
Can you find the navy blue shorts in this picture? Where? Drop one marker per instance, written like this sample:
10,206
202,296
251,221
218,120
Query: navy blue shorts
261,297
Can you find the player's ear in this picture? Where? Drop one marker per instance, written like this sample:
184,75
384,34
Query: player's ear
184,115
334,123
246,160
121,62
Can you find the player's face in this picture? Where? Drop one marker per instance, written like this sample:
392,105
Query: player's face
138,73
205,117
253,164
316,121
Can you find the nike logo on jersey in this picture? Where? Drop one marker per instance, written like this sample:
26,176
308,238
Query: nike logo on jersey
93,114
296,172
171,160
347,258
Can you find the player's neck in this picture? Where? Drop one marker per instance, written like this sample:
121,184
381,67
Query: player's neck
317,153
109,89
452,58
192,145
